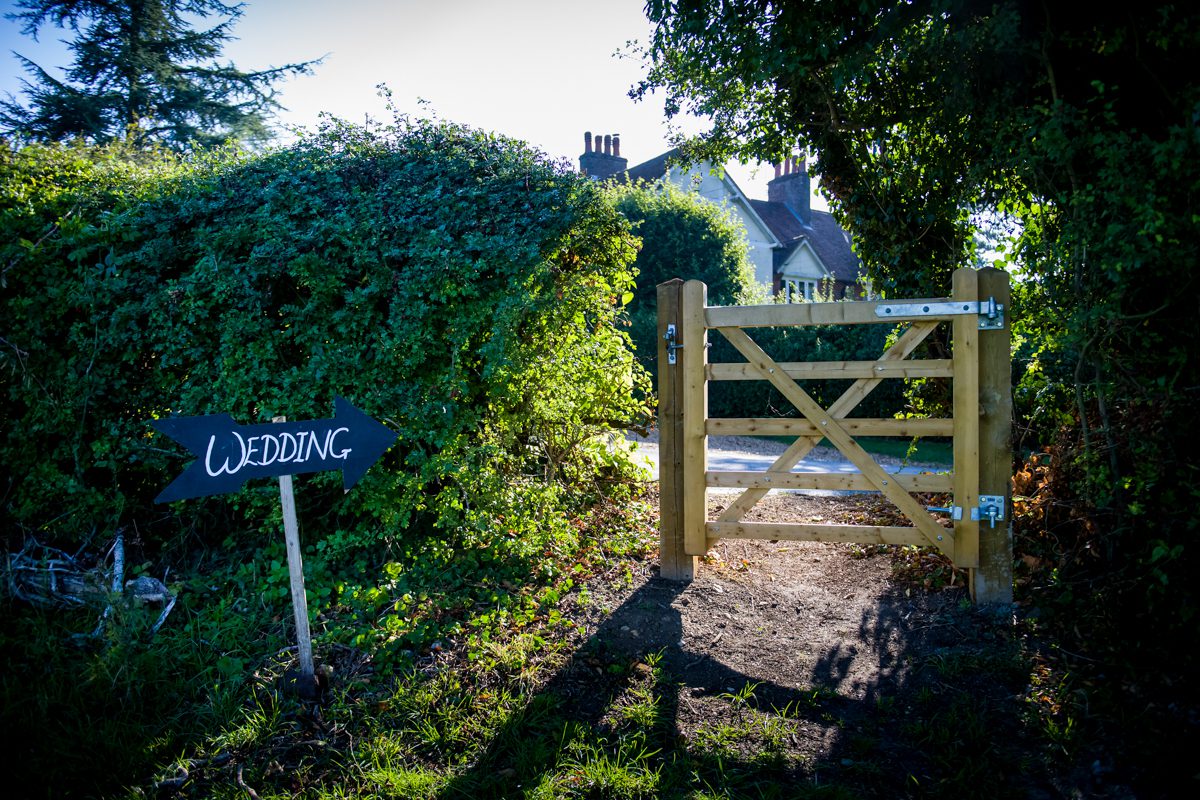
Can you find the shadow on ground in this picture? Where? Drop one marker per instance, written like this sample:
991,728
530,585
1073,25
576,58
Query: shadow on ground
900,696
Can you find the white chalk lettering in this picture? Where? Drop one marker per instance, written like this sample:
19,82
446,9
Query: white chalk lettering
251,448
284,454
301,456
333,435
227,466
321,453
269,448
269,457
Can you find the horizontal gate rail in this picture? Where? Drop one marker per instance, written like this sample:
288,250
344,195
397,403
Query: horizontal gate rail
843,313
860,426
834,481
834,370
854,534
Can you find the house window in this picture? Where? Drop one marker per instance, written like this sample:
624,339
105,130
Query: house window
797,290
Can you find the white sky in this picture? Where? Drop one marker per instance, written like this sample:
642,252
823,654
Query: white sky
539,70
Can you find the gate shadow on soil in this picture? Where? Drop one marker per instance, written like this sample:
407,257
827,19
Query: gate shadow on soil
932,713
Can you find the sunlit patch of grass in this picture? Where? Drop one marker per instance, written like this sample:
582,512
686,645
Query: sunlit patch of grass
748,732
258,725
401,780
593,766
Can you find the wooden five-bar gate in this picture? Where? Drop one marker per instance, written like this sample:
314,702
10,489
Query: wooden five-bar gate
978,537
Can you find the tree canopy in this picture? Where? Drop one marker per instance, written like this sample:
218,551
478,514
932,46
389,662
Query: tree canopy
919,113
1081,131
142,74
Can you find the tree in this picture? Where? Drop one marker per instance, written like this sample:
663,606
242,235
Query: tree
141,74
1083,129
683,236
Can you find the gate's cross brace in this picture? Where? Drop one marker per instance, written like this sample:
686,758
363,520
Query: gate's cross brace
849,400
839,437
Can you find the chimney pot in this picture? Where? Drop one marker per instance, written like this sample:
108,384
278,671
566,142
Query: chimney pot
778,169
616,144
607,144
587,141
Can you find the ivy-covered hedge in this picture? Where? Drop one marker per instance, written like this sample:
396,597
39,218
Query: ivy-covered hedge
451,283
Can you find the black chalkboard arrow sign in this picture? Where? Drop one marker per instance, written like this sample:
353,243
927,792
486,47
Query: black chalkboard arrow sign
228,454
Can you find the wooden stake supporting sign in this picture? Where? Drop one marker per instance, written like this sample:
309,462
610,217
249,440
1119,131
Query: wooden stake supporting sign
228,454
291,537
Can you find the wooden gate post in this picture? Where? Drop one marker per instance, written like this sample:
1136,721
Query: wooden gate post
674,563
965,337
693,360
992,582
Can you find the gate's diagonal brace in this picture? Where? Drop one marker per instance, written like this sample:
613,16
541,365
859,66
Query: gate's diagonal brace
837,435
854,394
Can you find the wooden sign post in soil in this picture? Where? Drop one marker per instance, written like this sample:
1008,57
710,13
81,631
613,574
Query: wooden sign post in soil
291,537
228,454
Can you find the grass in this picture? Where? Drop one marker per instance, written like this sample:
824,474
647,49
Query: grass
517,706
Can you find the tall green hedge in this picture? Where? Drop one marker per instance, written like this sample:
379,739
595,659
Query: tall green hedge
687,236
451,283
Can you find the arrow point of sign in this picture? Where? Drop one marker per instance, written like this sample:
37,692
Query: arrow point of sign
369,440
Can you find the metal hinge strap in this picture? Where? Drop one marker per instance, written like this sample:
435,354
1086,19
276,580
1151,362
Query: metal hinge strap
990,313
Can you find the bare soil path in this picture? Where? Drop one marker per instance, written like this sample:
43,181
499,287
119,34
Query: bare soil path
847,665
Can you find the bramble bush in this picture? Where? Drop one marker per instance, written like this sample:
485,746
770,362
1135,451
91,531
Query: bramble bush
452,283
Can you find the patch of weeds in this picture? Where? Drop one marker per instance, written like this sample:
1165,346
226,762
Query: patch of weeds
514,660
402,781
599,767
813,700
1050,702
960,745
258,724
747,732
638,707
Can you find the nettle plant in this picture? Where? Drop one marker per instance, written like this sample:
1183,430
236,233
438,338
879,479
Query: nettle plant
455,284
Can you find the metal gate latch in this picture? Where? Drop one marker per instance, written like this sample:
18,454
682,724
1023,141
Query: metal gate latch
955,512
671,346
991,508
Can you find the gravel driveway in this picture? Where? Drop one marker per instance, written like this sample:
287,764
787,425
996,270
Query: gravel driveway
756,454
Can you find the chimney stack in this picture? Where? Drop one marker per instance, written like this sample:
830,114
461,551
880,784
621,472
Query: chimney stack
602,156
792,188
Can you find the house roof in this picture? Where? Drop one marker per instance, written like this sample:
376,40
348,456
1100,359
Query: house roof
833,246
653,169
826,238
659,167
824,235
